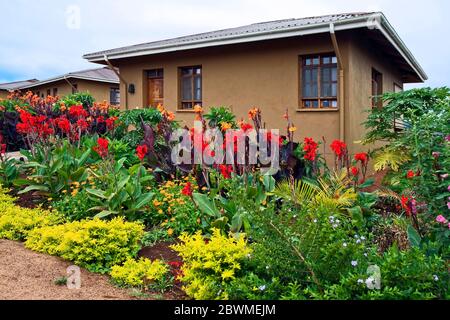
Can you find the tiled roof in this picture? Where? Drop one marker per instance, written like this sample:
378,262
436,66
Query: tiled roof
99,74
252,29
17,84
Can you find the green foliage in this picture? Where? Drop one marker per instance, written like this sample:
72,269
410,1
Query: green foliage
93,244
17,222
9,171
154,236
218,115
75,207
82,98
121,192
53,171
143,273
210,266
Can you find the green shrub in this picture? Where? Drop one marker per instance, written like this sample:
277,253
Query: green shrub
210,265
17,222
94,244
144,273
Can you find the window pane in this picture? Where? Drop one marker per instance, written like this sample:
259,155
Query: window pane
186,71
326,60
325,103
186,105
198,88
186,91
316,61
333,74
315,104
326,75
334,104
334,59
308,62
334,90
307,104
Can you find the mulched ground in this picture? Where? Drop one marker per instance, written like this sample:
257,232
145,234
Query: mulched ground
27,275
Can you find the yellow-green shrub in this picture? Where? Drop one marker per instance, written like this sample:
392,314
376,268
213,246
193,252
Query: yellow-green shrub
17,222
209,266
94,244
142,273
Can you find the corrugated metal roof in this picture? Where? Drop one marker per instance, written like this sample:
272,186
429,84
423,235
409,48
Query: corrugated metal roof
256,28
17,84
104,74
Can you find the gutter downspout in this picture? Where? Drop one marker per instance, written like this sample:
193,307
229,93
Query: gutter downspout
120,77
70,84
341,84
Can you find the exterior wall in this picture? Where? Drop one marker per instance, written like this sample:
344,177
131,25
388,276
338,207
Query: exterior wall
4,94
266,74
99,90
363,57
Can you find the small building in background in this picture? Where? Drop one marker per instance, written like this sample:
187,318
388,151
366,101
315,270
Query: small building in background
102,83
6,88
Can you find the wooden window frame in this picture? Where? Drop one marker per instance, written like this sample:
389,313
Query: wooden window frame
319,98
376,102
194,102
115,90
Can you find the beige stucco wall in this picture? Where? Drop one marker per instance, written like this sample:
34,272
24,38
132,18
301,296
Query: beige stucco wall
266,75
3,94
99,90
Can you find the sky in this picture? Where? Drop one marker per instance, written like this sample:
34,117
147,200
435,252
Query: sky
42,39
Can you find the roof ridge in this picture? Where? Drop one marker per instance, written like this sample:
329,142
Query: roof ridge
18,81
316,17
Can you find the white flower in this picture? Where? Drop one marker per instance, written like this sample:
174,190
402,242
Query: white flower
267,267
344,245
365,255
358,241
435,278
354,263
315,220
363,238
360,281
356,236
338,221
262,288
370,282
335,226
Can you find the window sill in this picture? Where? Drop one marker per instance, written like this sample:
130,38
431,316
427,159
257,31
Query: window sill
318,110
185,111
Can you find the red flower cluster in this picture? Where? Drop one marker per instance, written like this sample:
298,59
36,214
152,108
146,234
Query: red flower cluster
246,127
35,125
276,137
339,148
362,157
141,151
226,170
111,123
310,149
187,190
102,147
63,124
354,171
405,205
176,269
78,112
82,124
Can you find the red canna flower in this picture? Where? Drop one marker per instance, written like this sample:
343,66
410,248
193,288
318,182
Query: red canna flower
82,124
2,149
354,171
141,151
410,174
310,149
111,123
226,170
405,205
339,148
100,119
77,111
102,147
187,190
63,124
246,127
362,157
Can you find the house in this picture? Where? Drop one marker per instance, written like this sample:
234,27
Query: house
101,83
324,70
6,88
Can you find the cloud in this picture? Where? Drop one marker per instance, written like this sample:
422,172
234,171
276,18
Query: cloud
37,41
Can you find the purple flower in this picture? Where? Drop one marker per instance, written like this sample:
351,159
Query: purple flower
447,138
448,188
441,219
444,176
436,154
448,205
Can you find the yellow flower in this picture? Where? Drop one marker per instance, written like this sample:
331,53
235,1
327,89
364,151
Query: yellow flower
160,211
64,191
170,232
49,199
198,109
173,219
292,129
225,126
74,192
156,203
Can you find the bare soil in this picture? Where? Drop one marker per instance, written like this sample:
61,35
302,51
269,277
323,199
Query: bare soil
27,275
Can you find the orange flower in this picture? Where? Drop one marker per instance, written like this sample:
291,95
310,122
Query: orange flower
253,113
170,116
292,129
225,126
198,109
170,232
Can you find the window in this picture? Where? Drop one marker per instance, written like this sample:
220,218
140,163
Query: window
318,82
48,92
377,89
74,88
190,87
55,92
114,96
155,87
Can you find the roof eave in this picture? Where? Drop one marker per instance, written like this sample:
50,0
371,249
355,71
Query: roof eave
376,20
44,82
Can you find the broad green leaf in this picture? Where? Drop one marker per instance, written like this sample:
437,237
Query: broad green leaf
143,200
97,193
34,188
104,214
414,237
206,205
